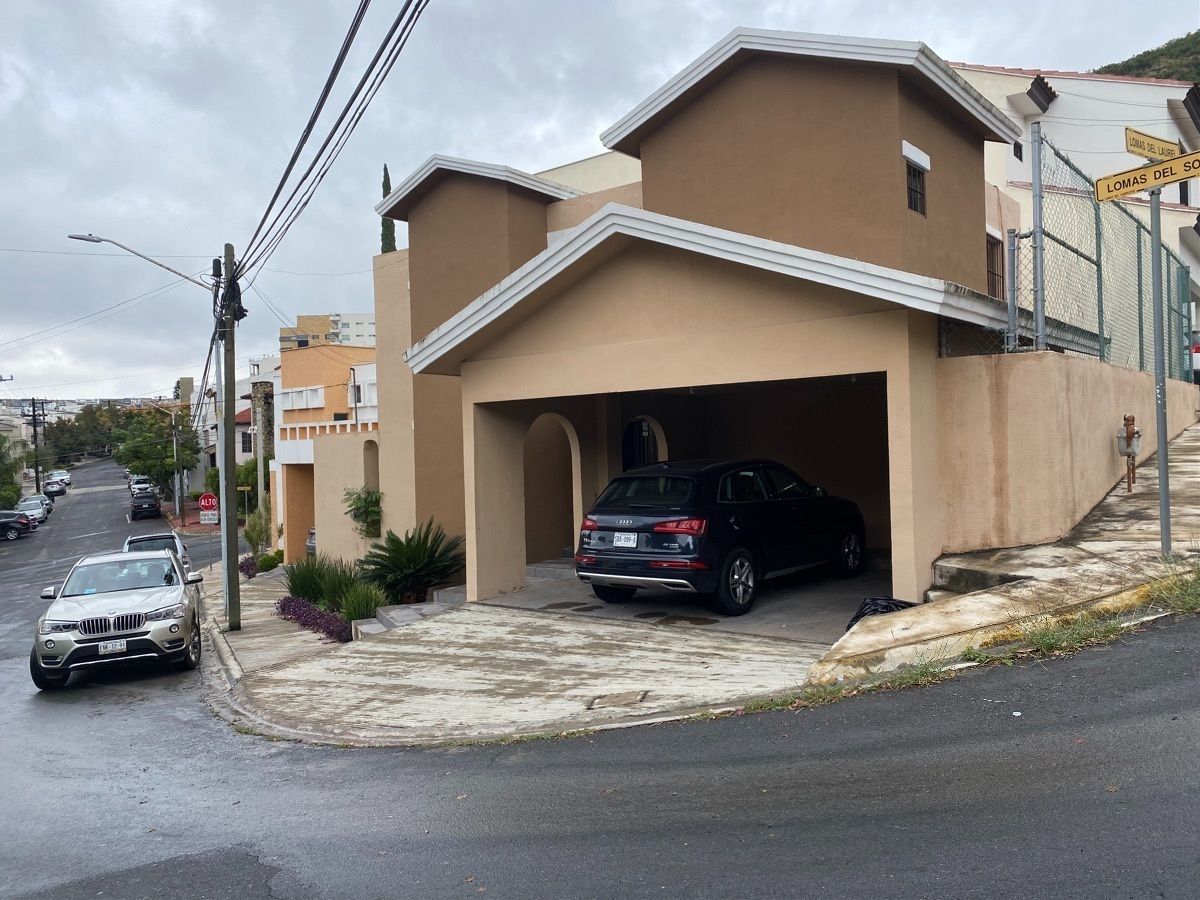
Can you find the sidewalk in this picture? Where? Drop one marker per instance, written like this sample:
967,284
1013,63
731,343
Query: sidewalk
480,672
1104,560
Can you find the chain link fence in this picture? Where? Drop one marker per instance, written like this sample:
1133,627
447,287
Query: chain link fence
1098,296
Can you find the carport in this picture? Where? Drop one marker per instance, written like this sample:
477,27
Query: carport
642,334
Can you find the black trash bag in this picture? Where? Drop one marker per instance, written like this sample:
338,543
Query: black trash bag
878,606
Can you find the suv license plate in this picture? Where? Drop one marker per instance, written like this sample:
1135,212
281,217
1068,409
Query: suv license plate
111,647
624,539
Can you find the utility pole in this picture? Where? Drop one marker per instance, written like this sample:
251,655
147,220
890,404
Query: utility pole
37,466
230,305
258,443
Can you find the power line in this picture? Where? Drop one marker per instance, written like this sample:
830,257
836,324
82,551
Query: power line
260,249
94,253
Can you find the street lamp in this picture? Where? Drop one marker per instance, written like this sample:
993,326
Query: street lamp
96,239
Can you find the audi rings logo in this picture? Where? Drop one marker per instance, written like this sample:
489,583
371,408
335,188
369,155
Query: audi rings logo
624,521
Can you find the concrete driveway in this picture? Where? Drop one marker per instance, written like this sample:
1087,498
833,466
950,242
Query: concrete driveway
810,606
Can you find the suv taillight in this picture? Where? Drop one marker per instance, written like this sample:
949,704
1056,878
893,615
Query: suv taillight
694,527
589,525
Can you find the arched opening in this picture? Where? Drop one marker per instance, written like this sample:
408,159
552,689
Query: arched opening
371,465
642,443
551,488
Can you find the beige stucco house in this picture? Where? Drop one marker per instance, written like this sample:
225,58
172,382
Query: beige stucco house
760,266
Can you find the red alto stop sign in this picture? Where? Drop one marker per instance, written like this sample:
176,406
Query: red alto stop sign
208,502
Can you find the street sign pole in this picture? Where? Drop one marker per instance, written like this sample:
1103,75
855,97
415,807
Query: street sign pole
1160,370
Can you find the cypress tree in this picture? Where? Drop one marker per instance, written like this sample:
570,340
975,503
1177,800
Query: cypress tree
387,241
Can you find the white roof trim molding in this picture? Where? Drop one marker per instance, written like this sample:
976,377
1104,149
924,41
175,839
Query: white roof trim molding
917,292
438,163
901,54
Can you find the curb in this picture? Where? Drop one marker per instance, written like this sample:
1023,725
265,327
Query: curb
230,667
946,647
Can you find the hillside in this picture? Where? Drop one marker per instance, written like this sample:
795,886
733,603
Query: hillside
1178,59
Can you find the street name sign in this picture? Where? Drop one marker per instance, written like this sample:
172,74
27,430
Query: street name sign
210,517
1144,178
208,502
1141,144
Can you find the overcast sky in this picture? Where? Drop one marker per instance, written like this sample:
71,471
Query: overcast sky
165,125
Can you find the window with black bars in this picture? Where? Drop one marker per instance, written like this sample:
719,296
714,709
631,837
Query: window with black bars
995,267
247,442
916,189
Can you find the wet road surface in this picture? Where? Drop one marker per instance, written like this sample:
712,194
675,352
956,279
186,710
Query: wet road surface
125,785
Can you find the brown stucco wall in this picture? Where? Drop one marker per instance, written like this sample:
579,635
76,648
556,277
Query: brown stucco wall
465,235
800,151
338,465
299,513
569,213
948,241
1027,441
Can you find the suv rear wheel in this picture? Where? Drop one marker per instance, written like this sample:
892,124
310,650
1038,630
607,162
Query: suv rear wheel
848,561
43,679
11,533
613,594
738,584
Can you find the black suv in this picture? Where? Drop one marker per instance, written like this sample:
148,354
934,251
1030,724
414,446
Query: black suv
144,504
713,526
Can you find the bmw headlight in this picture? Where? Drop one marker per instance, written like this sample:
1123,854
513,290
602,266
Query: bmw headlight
167,612
55,626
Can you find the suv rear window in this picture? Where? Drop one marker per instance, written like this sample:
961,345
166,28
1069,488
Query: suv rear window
658,491
152,544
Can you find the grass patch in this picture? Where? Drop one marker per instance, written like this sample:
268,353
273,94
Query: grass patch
1067,635
1180,593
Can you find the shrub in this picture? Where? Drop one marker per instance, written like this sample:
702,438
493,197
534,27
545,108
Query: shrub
406,568
312,617
365,507
259,528
248,565
361,601
337,580
195,495
304,579
269,561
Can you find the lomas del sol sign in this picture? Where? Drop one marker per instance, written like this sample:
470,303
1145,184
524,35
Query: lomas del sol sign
1143,178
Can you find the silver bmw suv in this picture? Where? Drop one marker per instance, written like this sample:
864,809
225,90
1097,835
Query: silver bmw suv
118,607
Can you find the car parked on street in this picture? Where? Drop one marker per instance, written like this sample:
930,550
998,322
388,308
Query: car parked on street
62,475
14,523
140,484
719,527
52,488
45,501
144,504
167,540
34,508
114,608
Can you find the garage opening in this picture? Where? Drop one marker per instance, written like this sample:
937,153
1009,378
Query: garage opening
551,467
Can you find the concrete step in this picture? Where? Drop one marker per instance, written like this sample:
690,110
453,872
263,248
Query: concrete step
361,628
551,569
939,594
964,578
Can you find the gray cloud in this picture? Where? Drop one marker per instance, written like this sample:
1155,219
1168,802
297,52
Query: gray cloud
165,125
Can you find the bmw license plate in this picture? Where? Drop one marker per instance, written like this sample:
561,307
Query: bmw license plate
107,647
624,539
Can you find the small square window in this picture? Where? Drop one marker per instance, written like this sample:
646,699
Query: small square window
916,188
1018,149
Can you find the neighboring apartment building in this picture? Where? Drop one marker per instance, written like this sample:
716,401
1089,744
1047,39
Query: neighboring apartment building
326,422
760,267
329,328
1085,114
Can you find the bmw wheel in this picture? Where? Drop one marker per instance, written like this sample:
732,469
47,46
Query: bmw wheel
738,584
44,680
11,534
190,658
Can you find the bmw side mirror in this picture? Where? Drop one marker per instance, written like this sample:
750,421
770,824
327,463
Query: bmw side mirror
49,593
193,578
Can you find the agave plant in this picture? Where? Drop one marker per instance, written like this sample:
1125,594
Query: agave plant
406,568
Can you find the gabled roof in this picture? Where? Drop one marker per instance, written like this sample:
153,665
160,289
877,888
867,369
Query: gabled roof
397,204
244,417
443,349
1067,73
915,57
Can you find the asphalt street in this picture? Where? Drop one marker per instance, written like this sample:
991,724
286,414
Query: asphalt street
125,785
